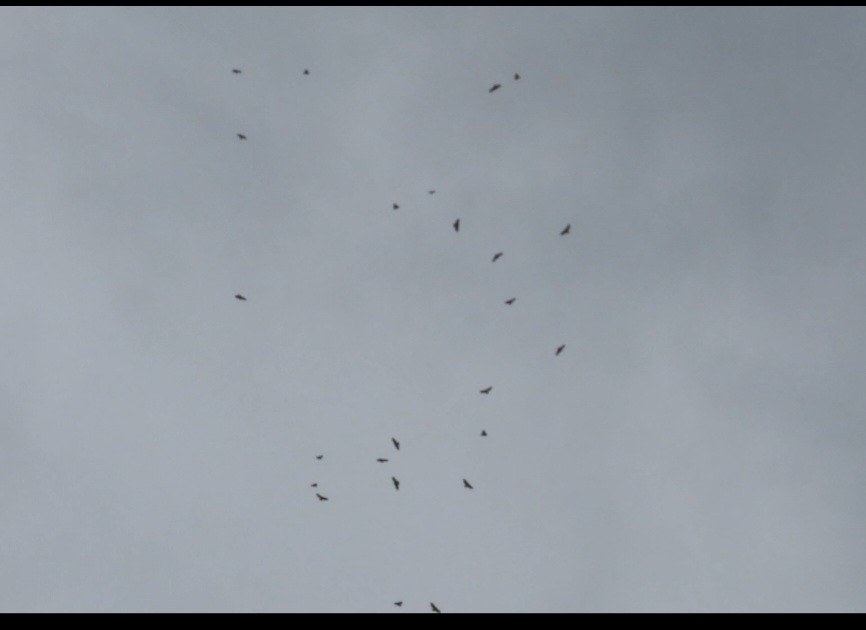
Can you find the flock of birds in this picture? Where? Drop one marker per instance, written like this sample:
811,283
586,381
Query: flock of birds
485,391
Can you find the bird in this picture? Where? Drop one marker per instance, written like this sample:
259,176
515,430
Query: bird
314,485
497,256
398,603
319,456
565,230
495,87
306,71
396,206
466,484
321,498
242,136
486,391
396,444
240,297
516,77
236,70
483,433
431,192
457,225
433,606
381,460
510,301
396,482
560,349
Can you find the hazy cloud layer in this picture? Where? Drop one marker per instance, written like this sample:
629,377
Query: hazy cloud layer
699,444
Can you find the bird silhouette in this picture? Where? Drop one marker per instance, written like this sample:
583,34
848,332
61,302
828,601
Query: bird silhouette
319,456
236,70
483,433
242,136
565,230
495,87
466,484
497,256
396,206
396,444
457,225
516,77
240,297
398,603
381,460
306,71
431,192
510,301
486,391
321,498
396,482
560,349
433,606
314,485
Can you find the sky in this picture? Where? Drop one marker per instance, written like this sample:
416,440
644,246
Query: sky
697,446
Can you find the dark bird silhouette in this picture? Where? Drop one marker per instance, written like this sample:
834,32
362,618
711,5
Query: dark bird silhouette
495,87
510,301
396,206
565,230
240,297
431,192
314,485
319,456
560,349
321,498
483,433
396,444
396,482
236,70
433,606
306,71
381,460
398,603
516,77
466,484
497,256
486,391
457,225
242,136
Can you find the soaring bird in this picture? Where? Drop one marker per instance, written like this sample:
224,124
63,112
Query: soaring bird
497,256
560,349
510,301
433,606
321,498
314,485
485,391
565,230
396,482
516,77
306,71
495,87
396,206
398,603
466,484
396,444
236,70
431,192
483,433
319,456
242,136
240,297
457,225
381,460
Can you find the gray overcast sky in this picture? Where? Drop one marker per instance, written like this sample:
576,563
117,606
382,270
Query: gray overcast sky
698,446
